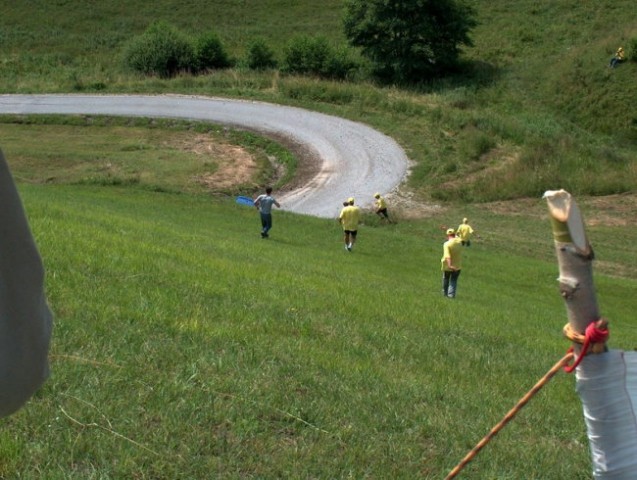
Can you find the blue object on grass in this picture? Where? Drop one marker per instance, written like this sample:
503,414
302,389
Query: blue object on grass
245,201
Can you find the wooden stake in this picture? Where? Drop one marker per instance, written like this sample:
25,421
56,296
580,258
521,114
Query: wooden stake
575,258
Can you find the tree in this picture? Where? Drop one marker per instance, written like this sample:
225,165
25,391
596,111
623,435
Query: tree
409,40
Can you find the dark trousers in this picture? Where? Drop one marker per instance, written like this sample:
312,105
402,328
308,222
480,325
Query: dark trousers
266,222
450,283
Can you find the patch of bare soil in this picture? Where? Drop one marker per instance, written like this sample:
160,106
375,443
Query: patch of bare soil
523,207
404,205
235,165
610,210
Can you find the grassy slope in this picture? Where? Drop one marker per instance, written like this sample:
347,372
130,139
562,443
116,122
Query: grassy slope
186,346
556,55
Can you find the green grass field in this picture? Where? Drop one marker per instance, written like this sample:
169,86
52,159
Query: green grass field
185,347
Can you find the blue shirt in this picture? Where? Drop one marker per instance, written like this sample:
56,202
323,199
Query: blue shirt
265,203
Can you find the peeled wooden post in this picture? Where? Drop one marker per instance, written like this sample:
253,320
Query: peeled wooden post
575,260
607,380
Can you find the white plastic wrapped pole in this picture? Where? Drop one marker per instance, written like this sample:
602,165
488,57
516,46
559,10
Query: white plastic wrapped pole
606,382
25,318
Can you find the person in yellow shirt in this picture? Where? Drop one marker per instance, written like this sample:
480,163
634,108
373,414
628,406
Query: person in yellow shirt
465,231
618,58
451,264
349,219
380,206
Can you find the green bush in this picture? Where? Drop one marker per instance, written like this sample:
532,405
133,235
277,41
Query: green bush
339,64
305,55
260,56
161,50
210,53
315,56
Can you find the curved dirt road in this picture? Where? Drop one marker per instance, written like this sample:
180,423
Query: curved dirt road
347,158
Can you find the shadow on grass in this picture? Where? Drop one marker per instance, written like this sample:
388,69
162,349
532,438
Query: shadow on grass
467,74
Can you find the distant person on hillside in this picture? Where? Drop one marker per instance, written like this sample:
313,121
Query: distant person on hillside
465,232
618,58
451,264
25,318
264,203
380,207
349,219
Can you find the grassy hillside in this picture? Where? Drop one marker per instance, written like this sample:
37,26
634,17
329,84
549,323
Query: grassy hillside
187,347
538,109
555,56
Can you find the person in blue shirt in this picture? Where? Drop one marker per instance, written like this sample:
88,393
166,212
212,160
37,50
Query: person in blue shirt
264,203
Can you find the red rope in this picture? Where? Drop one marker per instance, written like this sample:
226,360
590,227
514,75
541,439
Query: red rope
593,334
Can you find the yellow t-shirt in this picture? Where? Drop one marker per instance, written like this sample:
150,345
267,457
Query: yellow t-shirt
452,248
349,217
465,231
380,203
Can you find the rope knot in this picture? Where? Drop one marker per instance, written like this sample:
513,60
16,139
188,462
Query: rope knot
593,340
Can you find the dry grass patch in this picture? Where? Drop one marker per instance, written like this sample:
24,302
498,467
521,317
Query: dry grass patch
235,165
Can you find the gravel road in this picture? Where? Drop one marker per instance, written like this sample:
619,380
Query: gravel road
345,158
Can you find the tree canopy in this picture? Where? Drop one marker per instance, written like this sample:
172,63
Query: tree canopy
409,40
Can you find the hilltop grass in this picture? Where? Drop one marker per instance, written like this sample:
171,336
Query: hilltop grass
187,347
